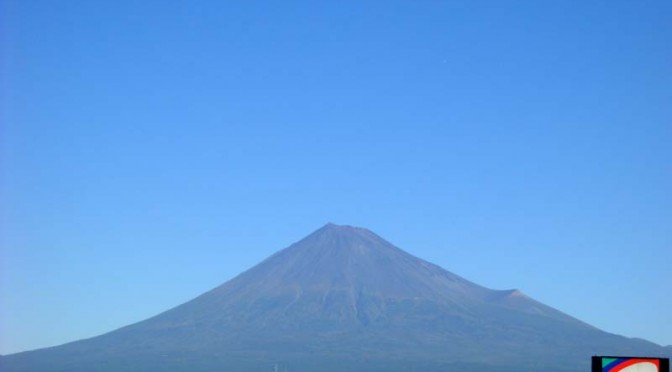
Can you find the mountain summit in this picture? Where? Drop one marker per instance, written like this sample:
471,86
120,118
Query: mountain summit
343,299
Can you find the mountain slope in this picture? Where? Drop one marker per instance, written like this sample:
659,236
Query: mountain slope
342,299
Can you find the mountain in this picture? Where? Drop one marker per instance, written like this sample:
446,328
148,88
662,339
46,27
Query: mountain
344,299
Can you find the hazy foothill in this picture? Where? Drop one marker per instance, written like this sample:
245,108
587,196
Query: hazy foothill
344,299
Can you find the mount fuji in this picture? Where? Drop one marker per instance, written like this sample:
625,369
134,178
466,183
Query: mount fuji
344,299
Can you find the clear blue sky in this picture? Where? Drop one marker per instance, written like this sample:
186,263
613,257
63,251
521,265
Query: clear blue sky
152,150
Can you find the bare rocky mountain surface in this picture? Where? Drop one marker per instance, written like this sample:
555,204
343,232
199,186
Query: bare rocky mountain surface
344,299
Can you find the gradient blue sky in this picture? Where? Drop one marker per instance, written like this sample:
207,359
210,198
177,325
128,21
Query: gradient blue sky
152,150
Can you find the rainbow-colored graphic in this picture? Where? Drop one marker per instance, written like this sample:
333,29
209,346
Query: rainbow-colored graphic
630,364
